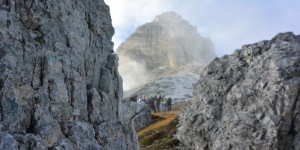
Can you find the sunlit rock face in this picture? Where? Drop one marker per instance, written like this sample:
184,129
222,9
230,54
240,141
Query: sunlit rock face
167,43
60,88
247,100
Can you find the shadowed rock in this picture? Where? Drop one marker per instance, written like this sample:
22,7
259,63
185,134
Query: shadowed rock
138,113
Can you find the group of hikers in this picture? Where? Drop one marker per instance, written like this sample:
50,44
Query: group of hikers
157,103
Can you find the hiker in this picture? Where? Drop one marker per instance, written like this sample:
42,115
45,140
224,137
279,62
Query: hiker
157,101
133,98
143,100
169,103
163,104
150,102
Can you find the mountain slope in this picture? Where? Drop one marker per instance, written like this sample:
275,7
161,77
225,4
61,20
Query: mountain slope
178,86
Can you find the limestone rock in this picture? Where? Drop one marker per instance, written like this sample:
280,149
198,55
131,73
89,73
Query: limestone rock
138,113
247,100
167,43
58,77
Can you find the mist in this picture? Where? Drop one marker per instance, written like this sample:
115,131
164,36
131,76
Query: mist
166,45
229,24
133,73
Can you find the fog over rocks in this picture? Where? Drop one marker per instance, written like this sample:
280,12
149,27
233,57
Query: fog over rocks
178,86
247,100
161,46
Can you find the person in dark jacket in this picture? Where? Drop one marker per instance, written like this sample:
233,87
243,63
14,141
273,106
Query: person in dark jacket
150,102
157,101
169,103
133,98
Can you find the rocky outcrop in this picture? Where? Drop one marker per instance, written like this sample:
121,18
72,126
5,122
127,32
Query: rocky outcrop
138,113
248,100
163,45
60,88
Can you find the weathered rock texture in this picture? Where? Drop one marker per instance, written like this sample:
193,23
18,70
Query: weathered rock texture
248,100
60,88
168,43
138,113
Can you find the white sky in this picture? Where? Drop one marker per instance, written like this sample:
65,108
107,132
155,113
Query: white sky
229,24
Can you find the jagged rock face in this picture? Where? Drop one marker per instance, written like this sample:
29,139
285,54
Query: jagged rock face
138,113
248,100
59,83
168,41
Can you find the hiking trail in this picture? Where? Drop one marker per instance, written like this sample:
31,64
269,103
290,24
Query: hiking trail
168,117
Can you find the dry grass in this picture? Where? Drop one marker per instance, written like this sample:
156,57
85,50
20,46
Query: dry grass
159,135
168,117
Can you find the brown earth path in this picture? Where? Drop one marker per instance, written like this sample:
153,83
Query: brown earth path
168,118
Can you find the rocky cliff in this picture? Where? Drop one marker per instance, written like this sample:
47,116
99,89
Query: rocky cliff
60,88
248,100
165,44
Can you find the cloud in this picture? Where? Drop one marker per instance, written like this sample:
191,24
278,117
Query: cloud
133,73
228,23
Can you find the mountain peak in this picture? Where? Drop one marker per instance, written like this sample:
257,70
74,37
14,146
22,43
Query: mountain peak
164,45
168,16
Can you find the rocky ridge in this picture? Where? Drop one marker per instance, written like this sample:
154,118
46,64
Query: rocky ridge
162,46
59,84
247,100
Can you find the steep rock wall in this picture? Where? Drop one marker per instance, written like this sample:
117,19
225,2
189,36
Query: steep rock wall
248,100
59,83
